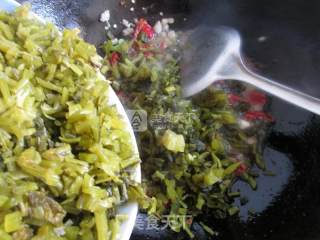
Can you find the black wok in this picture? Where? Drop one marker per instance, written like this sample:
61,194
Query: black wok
282,41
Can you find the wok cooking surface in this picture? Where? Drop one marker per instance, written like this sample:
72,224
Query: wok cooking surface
281,41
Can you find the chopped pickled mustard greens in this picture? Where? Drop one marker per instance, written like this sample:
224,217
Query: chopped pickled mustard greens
12,222
65,151
194,150
172,141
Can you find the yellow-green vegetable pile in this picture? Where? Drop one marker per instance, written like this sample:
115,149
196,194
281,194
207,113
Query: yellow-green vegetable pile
65,152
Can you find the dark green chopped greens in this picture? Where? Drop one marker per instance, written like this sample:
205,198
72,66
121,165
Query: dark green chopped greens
193,150
65,152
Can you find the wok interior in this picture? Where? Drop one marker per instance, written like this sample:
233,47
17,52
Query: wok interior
280,41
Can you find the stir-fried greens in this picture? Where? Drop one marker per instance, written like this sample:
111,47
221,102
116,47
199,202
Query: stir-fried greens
193,150
65,152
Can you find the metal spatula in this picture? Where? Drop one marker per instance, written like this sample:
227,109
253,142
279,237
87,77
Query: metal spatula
213,54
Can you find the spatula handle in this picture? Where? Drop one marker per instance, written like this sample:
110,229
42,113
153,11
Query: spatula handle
288,94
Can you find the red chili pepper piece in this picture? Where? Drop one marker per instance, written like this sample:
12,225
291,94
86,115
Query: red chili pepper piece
257,115
114,58
233,99
143,26
241,169
256,97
